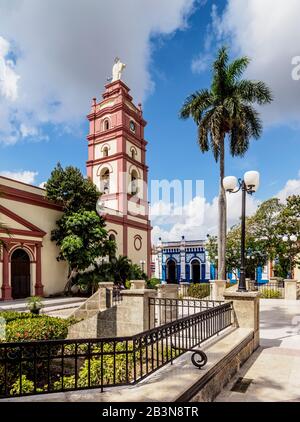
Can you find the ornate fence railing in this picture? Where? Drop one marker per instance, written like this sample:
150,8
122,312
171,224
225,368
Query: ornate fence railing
116,295
62,365
268,290
165,310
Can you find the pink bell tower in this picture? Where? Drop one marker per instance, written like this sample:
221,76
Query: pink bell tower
117,165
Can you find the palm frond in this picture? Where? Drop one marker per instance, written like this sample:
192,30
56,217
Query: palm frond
254,121
220,72
196,104
254,91
237,68
227,108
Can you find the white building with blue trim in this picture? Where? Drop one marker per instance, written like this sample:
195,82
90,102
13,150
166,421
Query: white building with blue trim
183,261
188,261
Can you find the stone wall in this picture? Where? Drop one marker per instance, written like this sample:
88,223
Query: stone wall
128,317
215,380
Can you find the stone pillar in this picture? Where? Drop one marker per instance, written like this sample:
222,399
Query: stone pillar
246,311
6,288
218,288
167,309
134,313
248,284
105,295
274,281
39,288
290,289
137,284
183,289
168,291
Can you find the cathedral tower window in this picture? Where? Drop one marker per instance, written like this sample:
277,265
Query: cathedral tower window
105,152
132,126
134,182
104,180
133,153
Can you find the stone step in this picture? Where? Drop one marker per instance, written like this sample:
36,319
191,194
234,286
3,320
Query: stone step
48,304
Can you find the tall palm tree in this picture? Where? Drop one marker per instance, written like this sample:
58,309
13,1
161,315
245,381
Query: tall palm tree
226,109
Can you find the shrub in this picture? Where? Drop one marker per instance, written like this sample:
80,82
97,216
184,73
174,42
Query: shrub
266,293
26,388
38,328
34,304
153,282
124,368
199,291
13,315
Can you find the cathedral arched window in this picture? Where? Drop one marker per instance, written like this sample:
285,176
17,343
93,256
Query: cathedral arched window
112,238
134,182
104,181
106,124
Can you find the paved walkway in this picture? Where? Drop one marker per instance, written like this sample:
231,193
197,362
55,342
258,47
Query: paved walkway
275,366
60,306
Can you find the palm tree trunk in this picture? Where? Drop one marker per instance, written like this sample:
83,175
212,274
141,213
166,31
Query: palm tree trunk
72,273
222,229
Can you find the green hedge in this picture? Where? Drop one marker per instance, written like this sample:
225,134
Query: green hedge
43,328
25,326
13,315
152,283
266,293
199,291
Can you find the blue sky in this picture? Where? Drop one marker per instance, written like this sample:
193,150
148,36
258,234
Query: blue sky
167,75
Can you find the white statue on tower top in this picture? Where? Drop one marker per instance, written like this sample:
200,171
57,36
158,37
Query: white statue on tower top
117,69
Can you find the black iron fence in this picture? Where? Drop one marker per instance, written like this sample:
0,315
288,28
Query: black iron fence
270,290
63,365
116,295
165,310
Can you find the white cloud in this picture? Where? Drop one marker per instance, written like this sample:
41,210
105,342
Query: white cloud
267,31
200,217
201,63
24,176
65,51
8,76
27,131
292,187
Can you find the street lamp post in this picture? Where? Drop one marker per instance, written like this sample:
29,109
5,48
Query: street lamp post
290,240
249,184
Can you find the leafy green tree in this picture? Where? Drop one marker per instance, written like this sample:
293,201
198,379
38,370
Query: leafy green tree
255,256
117,270
211,247
80,232
264,226
82,239
288,253
226,109
123,269
70,189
